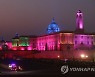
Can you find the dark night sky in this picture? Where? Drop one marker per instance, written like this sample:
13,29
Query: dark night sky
30,17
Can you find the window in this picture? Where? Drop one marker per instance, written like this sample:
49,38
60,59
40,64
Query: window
82,37
42,44
75,36
87,37
75,42
81,42
39,44
87,42
92,42
91,37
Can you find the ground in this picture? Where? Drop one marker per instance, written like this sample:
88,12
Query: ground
44,67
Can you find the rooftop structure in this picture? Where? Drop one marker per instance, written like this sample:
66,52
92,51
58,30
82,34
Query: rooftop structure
53,27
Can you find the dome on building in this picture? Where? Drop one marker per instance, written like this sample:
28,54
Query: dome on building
53,27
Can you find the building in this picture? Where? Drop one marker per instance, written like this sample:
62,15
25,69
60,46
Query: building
24,43
56,40
54,44
67,40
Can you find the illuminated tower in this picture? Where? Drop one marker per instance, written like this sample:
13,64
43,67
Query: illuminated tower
79,22
53,27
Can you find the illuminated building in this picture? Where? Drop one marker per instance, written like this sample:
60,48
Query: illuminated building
56,40
24,43
83,41
54,44
32,43
67,40
15,40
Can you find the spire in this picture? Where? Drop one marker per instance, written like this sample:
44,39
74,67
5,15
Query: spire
53,20
79,11
16,35
79,21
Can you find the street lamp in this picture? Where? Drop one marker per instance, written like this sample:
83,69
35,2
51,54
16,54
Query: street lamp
84,56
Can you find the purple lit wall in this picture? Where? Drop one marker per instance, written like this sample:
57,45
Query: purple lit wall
79,20
48,42
55,41
41,41
83,41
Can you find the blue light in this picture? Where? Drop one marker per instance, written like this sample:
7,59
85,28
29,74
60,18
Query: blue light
53,27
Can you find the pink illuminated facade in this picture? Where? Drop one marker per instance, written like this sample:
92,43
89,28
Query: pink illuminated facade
32,43
54,44
48,42
56,40
84,41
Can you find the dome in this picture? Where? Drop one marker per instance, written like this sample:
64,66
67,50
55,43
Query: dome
53,27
